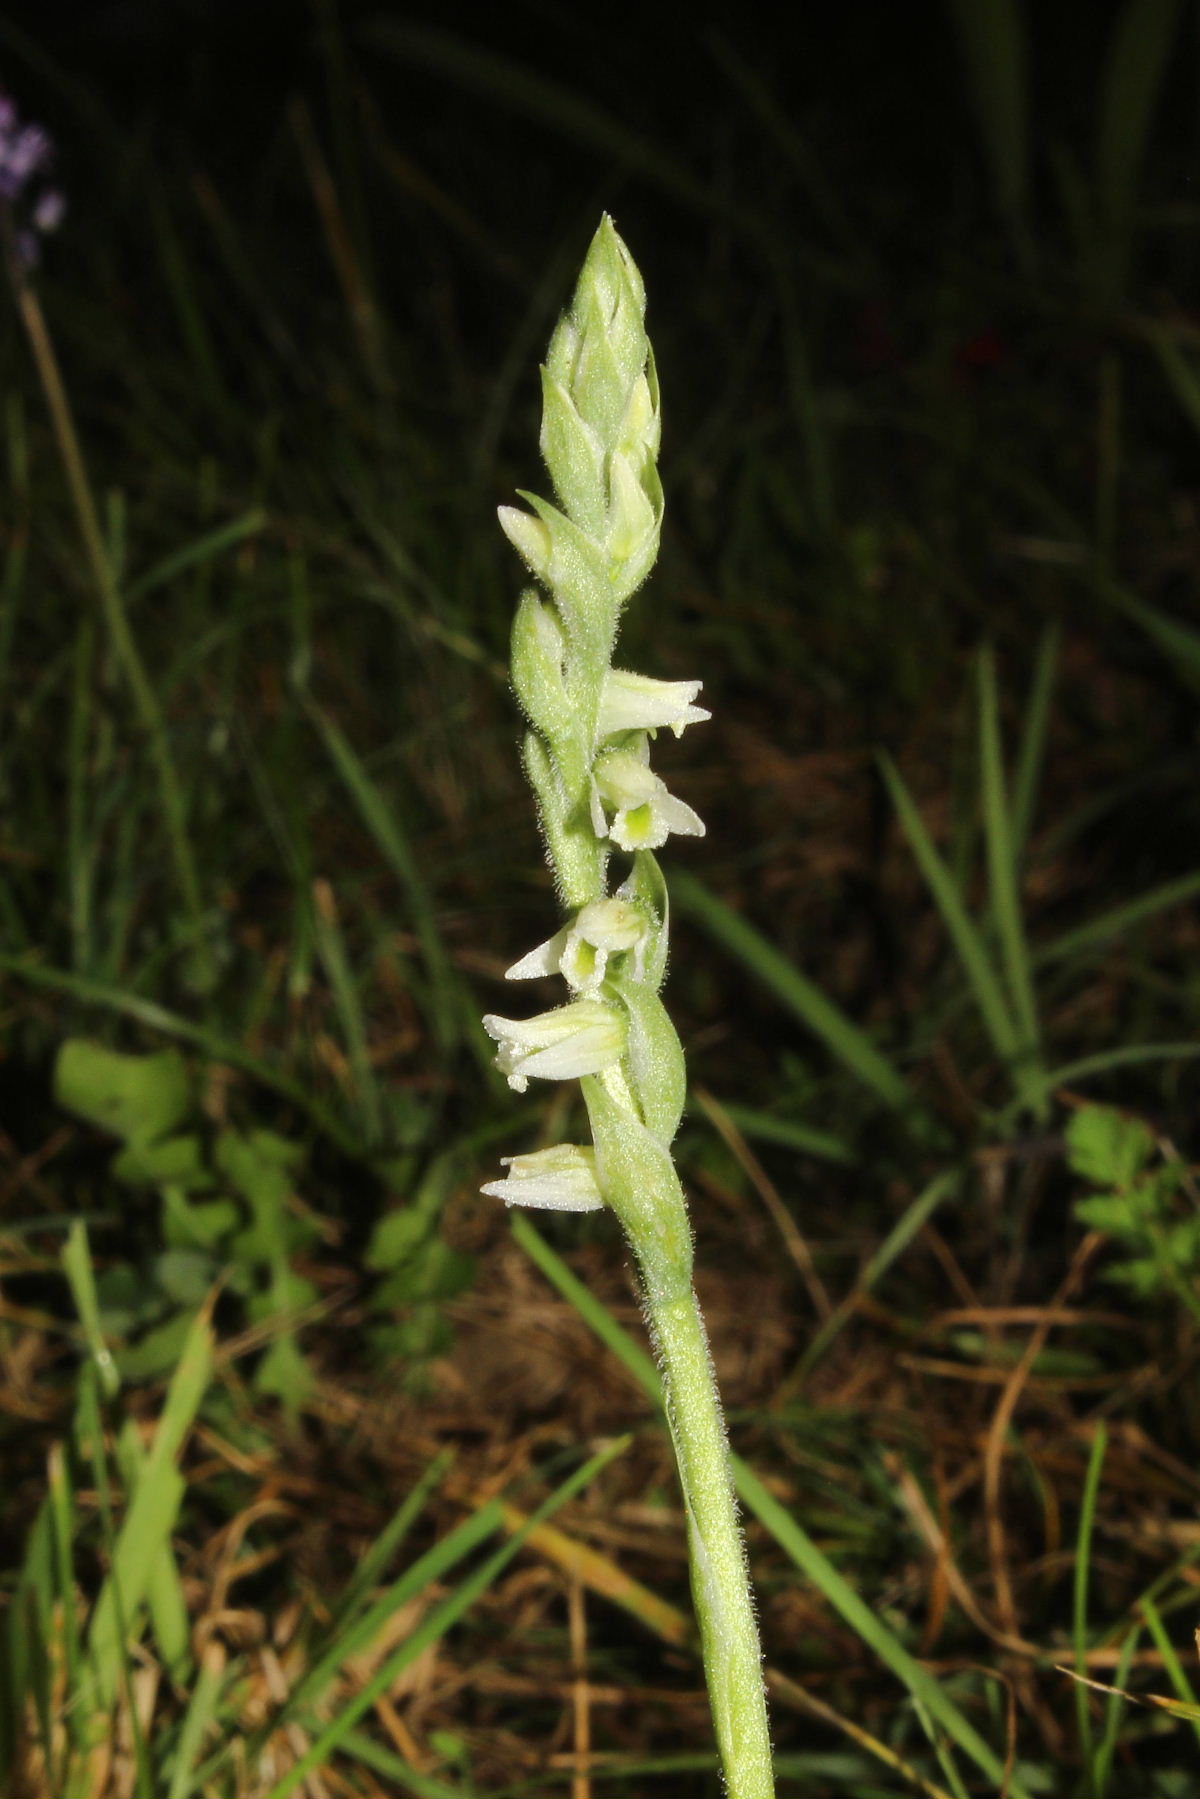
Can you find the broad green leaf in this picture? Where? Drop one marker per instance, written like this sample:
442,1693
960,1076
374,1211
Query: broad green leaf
137,1098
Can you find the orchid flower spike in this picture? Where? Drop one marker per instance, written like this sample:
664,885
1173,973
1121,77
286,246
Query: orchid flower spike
587,756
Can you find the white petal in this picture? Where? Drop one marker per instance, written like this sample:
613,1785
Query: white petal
624,779
562,1179
679,817
639,828
543,960
579,1038
632,702
599,822
611,924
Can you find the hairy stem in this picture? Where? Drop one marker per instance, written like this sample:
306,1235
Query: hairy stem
720,1583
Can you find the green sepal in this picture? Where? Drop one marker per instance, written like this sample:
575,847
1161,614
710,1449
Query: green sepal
654,1058
646,889
638,1179
536,668
633,527
578,572
574,455
603,374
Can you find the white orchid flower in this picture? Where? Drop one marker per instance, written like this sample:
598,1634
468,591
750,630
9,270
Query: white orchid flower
644,812
580,1038
562,1179
580,951
631,702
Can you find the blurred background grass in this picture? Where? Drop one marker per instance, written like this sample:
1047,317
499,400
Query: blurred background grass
922,290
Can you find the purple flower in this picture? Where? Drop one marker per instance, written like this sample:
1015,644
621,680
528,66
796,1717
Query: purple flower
49,210
29,205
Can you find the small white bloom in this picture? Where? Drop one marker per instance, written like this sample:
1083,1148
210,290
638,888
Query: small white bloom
631,702
580,1038
580,951
644,812
562,1179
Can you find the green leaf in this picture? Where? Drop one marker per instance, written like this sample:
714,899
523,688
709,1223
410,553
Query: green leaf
137,1098
177,1160
396,1238
185,1275
1108,1212
284,1374
156,1353
1107,1146
203,1225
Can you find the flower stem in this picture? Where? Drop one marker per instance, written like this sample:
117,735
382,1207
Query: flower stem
644,1190
720,1582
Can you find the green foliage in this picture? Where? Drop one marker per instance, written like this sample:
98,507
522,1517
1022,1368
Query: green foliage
1148,1206
419,1271
140,1597
70,1657
228,1215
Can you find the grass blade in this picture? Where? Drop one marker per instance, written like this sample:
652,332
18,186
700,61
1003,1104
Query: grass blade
906,1227
1003,877
1103,1063
504,81
331,948
1180,372
992,41
788,1534
1121,918
171,1024
434,1627
788,1133
1171,1661
391,840
1033,742
1083,1550
1139,48
1114,1712
357,1638
964,935
203,549
802,997
196,1720
152,1511
370,1569
1178,642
